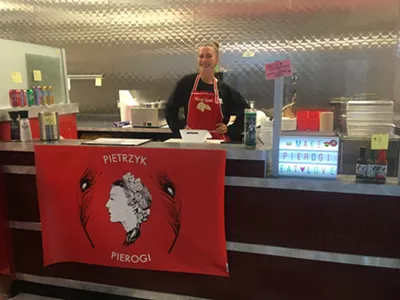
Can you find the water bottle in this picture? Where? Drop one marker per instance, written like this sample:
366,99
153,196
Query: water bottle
250,124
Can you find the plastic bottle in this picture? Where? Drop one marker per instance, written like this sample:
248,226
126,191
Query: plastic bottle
381,167
25,126
15,128
250,122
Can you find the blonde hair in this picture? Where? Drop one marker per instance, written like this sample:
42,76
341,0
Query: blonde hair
213,45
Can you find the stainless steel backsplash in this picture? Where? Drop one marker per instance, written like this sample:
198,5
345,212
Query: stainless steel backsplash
338,47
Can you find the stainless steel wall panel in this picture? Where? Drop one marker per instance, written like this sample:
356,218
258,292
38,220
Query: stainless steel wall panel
93,99
81,22
18,20
345,73
81,27
338,47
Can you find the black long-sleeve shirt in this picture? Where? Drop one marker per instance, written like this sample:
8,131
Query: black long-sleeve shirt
233,104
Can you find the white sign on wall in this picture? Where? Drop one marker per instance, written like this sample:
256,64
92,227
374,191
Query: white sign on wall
308,156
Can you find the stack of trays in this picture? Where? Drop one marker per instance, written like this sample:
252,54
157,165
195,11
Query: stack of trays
365,118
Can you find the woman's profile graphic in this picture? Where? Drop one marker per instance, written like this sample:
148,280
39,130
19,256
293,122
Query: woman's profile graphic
129,204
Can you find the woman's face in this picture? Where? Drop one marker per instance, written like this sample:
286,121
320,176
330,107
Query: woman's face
118,206
207,59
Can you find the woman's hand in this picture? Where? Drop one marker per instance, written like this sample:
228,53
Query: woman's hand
221,128
187,128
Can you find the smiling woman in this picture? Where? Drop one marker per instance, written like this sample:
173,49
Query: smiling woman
208,103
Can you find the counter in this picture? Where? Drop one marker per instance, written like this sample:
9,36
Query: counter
345,184
67,119
93,126
91,129
61,109
306,238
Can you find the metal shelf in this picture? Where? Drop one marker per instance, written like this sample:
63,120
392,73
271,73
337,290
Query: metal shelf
365,138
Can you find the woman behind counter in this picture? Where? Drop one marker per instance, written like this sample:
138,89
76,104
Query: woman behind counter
208,103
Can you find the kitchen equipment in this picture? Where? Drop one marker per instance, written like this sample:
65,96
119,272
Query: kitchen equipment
289,124
158,104
338,106
49,127
313,120
126,103
148,117
326,121
367,117
308,120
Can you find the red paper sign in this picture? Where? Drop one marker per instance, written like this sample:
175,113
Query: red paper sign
142,208
278,69
5,239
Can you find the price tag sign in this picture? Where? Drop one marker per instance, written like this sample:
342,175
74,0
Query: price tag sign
248,54
98,81
380,142
16,77
37,75
278,69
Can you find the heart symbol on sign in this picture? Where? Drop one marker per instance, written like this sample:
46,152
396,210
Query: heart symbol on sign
302,169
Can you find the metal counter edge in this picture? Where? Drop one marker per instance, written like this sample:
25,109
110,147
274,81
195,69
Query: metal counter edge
233,152
344,184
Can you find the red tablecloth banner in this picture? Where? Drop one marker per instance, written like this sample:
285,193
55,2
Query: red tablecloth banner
143,208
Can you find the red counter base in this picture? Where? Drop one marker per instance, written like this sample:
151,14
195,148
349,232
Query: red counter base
67,123
359,225
6,258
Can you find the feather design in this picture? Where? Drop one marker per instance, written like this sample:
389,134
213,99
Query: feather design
172,203
86,193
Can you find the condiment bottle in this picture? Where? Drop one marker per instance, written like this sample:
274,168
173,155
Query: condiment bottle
15,129
381,167
25,127
361,166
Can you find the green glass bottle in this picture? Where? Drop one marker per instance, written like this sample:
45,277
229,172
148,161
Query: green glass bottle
250,123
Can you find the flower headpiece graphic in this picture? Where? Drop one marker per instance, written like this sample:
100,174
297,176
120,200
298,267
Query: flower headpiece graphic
129,204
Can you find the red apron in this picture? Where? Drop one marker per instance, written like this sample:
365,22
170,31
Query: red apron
204,111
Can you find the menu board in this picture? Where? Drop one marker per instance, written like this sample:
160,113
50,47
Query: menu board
308,156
